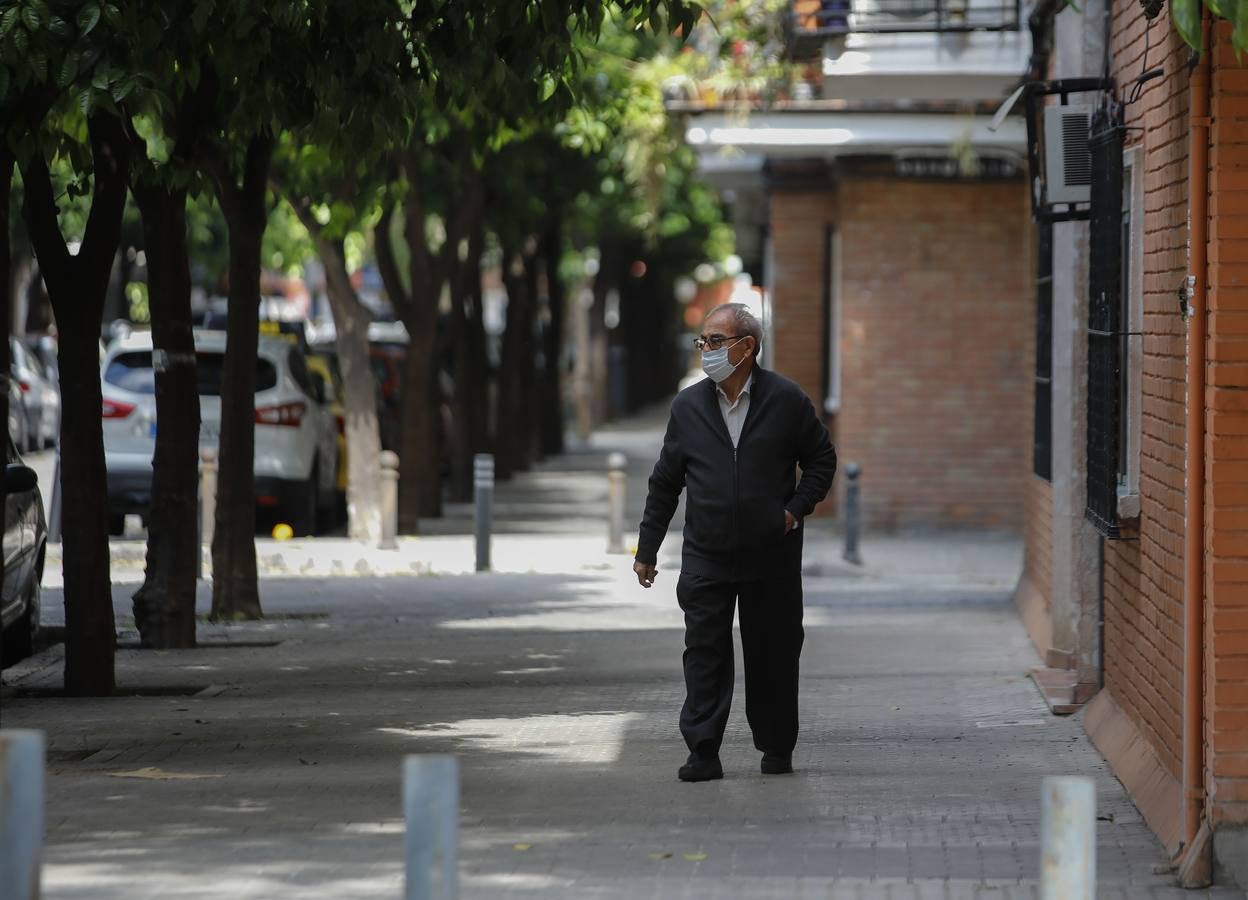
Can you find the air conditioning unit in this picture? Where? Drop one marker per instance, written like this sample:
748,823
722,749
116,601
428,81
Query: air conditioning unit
1067,156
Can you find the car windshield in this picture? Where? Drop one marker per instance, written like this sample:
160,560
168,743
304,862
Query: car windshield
133,372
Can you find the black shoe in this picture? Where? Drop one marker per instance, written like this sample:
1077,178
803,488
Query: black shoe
777,764
701,768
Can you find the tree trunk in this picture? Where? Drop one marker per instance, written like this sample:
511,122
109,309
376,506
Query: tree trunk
470,368
235,592
551,397
76,287
517,438
351,318
164,607
362,429
420,400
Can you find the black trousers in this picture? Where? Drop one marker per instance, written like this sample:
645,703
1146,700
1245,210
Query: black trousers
771,641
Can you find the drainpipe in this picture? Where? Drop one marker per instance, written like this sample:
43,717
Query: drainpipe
1194,868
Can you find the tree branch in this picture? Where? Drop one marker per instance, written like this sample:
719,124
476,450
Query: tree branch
386,264
110,154
421,263
39,211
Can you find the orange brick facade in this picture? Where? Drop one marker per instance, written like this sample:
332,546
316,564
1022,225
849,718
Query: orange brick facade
1226,441
935,339
1143,653
1138,719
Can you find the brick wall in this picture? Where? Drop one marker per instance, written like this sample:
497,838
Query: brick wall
1226,497
799,220
937,347
1143,654
1035,589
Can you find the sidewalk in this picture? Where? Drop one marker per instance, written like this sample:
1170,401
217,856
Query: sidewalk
266,763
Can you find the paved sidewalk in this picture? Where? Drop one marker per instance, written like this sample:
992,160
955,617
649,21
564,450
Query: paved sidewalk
266,764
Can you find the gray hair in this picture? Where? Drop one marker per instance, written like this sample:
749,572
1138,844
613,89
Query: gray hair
746,322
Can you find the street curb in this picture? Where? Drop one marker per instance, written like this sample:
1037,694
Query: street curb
33,665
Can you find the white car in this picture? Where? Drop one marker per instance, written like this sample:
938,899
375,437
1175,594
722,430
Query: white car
296,456
41,397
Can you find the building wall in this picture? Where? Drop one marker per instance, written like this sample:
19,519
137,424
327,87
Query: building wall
936,308
1035,587
1143,653
1144,578
937,312
1226,497
798,221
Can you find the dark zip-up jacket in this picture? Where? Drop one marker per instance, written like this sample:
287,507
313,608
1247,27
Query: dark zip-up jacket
735,499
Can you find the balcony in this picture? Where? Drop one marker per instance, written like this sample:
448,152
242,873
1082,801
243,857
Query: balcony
811,22
912,50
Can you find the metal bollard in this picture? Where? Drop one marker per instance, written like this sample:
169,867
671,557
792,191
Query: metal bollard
54,506
483,514
389,500
21,812
851,554
1068,838
431,810
617,484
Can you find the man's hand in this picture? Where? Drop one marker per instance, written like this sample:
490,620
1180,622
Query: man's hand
645,573
790,521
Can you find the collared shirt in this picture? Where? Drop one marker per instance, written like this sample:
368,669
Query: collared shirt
735,413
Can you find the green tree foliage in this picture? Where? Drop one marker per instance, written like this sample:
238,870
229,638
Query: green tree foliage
1187,13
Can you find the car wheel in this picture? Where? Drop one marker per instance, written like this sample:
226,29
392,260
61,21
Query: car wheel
307,505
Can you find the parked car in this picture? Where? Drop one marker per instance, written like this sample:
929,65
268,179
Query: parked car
25,538
296,453
41,397
18,426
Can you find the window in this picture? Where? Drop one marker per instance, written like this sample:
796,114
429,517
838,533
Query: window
1131,348
1105,324
1042,440
832,321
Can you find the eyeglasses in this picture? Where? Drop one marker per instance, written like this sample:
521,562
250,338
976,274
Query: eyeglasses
714,341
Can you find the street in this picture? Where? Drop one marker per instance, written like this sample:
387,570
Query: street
266,764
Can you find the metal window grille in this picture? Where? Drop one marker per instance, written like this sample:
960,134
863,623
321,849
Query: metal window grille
810,22
1042,441
1105,323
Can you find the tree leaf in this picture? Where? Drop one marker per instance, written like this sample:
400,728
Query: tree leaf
38,61
31,17
1186,17
8,19
58,26
69,68
88,18
1239,32
4,81
21,40
199,16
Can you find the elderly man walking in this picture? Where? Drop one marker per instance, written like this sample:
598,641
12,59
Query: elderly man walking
734,442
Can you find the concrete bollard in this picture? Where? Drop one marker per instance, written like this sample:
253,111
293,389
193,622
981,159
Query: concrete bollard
54,505
851,554
389,500
617,492
1068,839
431,842
483,509
21,813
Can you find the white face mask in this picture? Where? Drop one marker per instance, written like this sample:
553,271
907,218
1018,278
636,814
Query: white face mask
715,363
